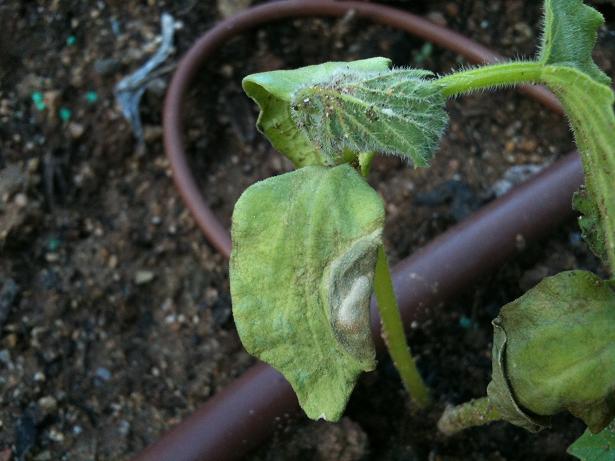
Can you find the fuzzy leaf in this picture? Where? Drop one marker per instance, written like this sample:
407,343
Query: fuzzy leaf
570,35
595,447
273,91
554,350
585,92
396,112
301,271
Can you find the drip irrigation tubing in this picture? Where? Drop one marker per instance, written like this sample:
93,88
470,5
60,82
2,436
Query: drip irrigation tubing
245,413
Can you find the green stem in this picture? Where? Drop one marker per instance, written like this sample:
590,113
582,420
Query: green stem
491,76
473,413
589,108
393,333
365,162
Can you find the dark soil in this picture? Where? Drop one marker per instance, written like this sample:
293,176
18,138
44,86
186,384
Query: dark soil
114,311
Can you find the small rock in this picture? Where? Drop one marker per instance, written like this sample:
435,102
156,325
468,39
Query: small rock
103,374
143,277
106,66
48,404
76,130
152,133
458,194
8,294
21,200
231,7
452,9
437,18
124,427
5,358
56,436
514,176
43,456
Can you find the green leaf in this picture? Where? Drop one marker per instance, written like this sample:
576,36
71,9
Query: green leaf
396,112
301,271
584,90
569,37
554,350
595,447
273,91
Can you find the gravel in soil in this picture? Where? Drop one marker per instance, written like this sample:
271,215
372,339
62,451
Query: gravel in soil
114,311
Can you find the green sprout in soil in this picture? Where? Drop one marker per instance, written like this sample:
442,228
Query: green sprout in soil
308,251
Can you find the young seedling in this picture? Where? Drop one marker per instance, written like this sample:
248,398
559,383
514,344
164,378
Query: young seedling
307,245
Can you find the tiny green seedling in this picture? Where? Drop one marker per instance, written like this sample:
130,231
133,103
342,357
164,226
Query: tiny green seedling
307,245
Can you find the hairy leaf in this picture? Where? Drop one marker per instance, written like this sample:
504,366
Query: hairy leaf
273,91
301,271
554,350
396,112
570,35
595,447
584,90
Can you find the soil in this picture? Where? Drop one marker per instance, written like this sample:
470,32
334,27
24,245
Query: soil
114,311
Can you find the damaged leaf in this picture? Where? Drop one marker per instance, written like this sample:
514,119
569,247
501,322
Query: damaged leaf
273,92
554,350
301,272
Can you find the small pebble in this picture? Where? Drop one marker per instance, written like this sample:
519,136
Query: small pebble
106,67
56,436
124,427
103,374
43,456
143,277
5,358
21,200
48,404
76,130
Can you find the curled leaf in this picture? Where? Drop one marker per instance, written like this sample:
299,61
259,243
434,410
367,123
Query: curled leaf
569,36
554,350
273,91
301,271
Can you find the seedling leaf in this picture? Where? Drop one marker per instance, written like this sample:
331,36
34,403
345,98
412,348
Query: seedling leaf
554,349
301,272
273,91
595,447
397,112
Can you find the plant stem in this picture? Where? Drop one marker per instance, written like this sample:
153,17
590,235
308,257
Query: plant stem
473,413
393,333
365,162
491,76
590,112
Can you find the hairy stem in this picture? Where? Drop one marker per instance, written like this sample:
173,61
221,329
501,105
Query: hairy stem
473,413
491,76
393,333
591,118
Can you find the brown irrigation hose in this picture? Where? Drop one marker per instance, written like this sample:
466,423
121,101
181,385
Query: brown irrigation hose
192,62
237,419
